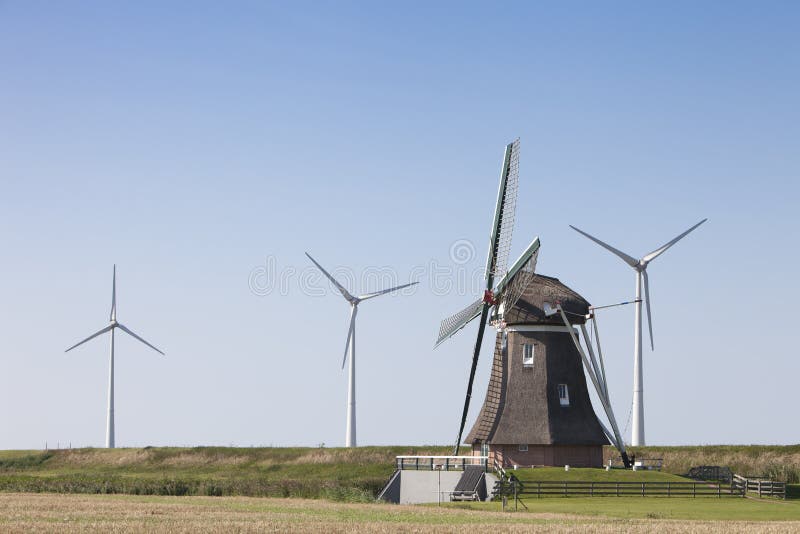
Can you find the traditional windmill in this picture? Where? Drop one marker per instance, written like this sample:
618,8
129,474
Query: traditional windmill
537,409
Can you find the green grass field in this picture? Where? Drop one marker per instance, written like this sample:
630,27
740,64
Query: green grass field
558,474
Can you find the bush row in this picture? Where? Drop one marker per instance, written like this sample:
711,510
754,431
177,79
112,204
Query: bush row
352,491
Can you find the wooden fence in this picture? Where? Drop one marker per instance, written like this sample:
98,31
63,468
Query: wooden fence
737,488
614,489
764,487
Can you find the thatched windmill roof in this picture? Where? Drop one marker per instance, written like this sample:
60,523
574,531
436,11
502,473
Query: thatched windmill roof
530,307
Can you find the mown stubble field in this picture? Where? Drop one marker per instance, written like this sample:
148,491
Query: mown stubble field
125,513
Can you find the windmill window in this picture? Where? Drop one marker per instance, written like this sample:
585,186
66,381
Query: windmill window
523,447
563,395
527,355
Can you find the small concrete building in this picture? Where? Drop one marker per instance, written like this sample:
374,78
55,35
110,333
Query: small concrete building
537,410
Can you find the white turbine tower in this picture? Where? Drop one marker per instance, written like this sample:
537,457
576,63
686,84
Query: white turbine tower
113,324
640,266
350,347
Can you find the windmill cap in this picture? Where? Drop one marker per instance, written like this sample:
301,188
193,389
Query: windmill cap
542,295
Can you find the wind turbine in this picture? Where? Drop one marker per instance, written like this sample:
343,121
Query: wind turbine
350,347
113,324
640,266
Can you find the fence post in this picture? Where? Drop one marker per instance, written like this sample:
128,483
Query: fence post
669,486
591,489
617,489
759,489
642,489
515,493
539,490
694,489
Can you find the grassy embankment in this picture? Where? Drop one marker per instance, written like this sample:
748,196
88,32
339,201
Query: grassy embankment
338,474
781,462
330,473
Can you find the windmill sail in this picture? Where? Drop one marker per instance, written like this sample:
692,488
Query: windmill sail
468,397
496,262
505,212
457,321
519,277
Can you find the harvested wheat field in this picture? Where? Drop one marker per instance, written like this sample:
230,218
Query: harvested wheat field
118,513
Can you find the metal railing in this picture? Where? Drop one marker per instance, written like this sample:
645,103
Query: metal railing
445,463
499,469
640,464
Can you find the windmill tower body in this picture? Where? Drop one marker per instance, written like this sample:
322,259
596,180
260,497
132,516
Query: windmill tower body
537,409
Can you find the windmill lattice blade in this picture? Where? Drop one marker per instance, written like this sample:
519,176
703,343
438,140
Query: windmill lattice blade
647,301
456,322
520,263
383,292
127,331
346,294
627,259
505,211
476,353
520,281
659,251
103,331
113,314
350,334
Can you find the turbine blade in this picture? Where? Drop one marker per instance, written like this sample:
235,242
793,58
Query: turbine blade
659,251
647,300
457,321
383,292
113,314
103,331
475,354
627,259
350,334
127,331
342,290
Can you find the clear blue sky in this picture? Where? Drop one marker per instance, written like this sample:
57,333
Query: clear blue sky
190,142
